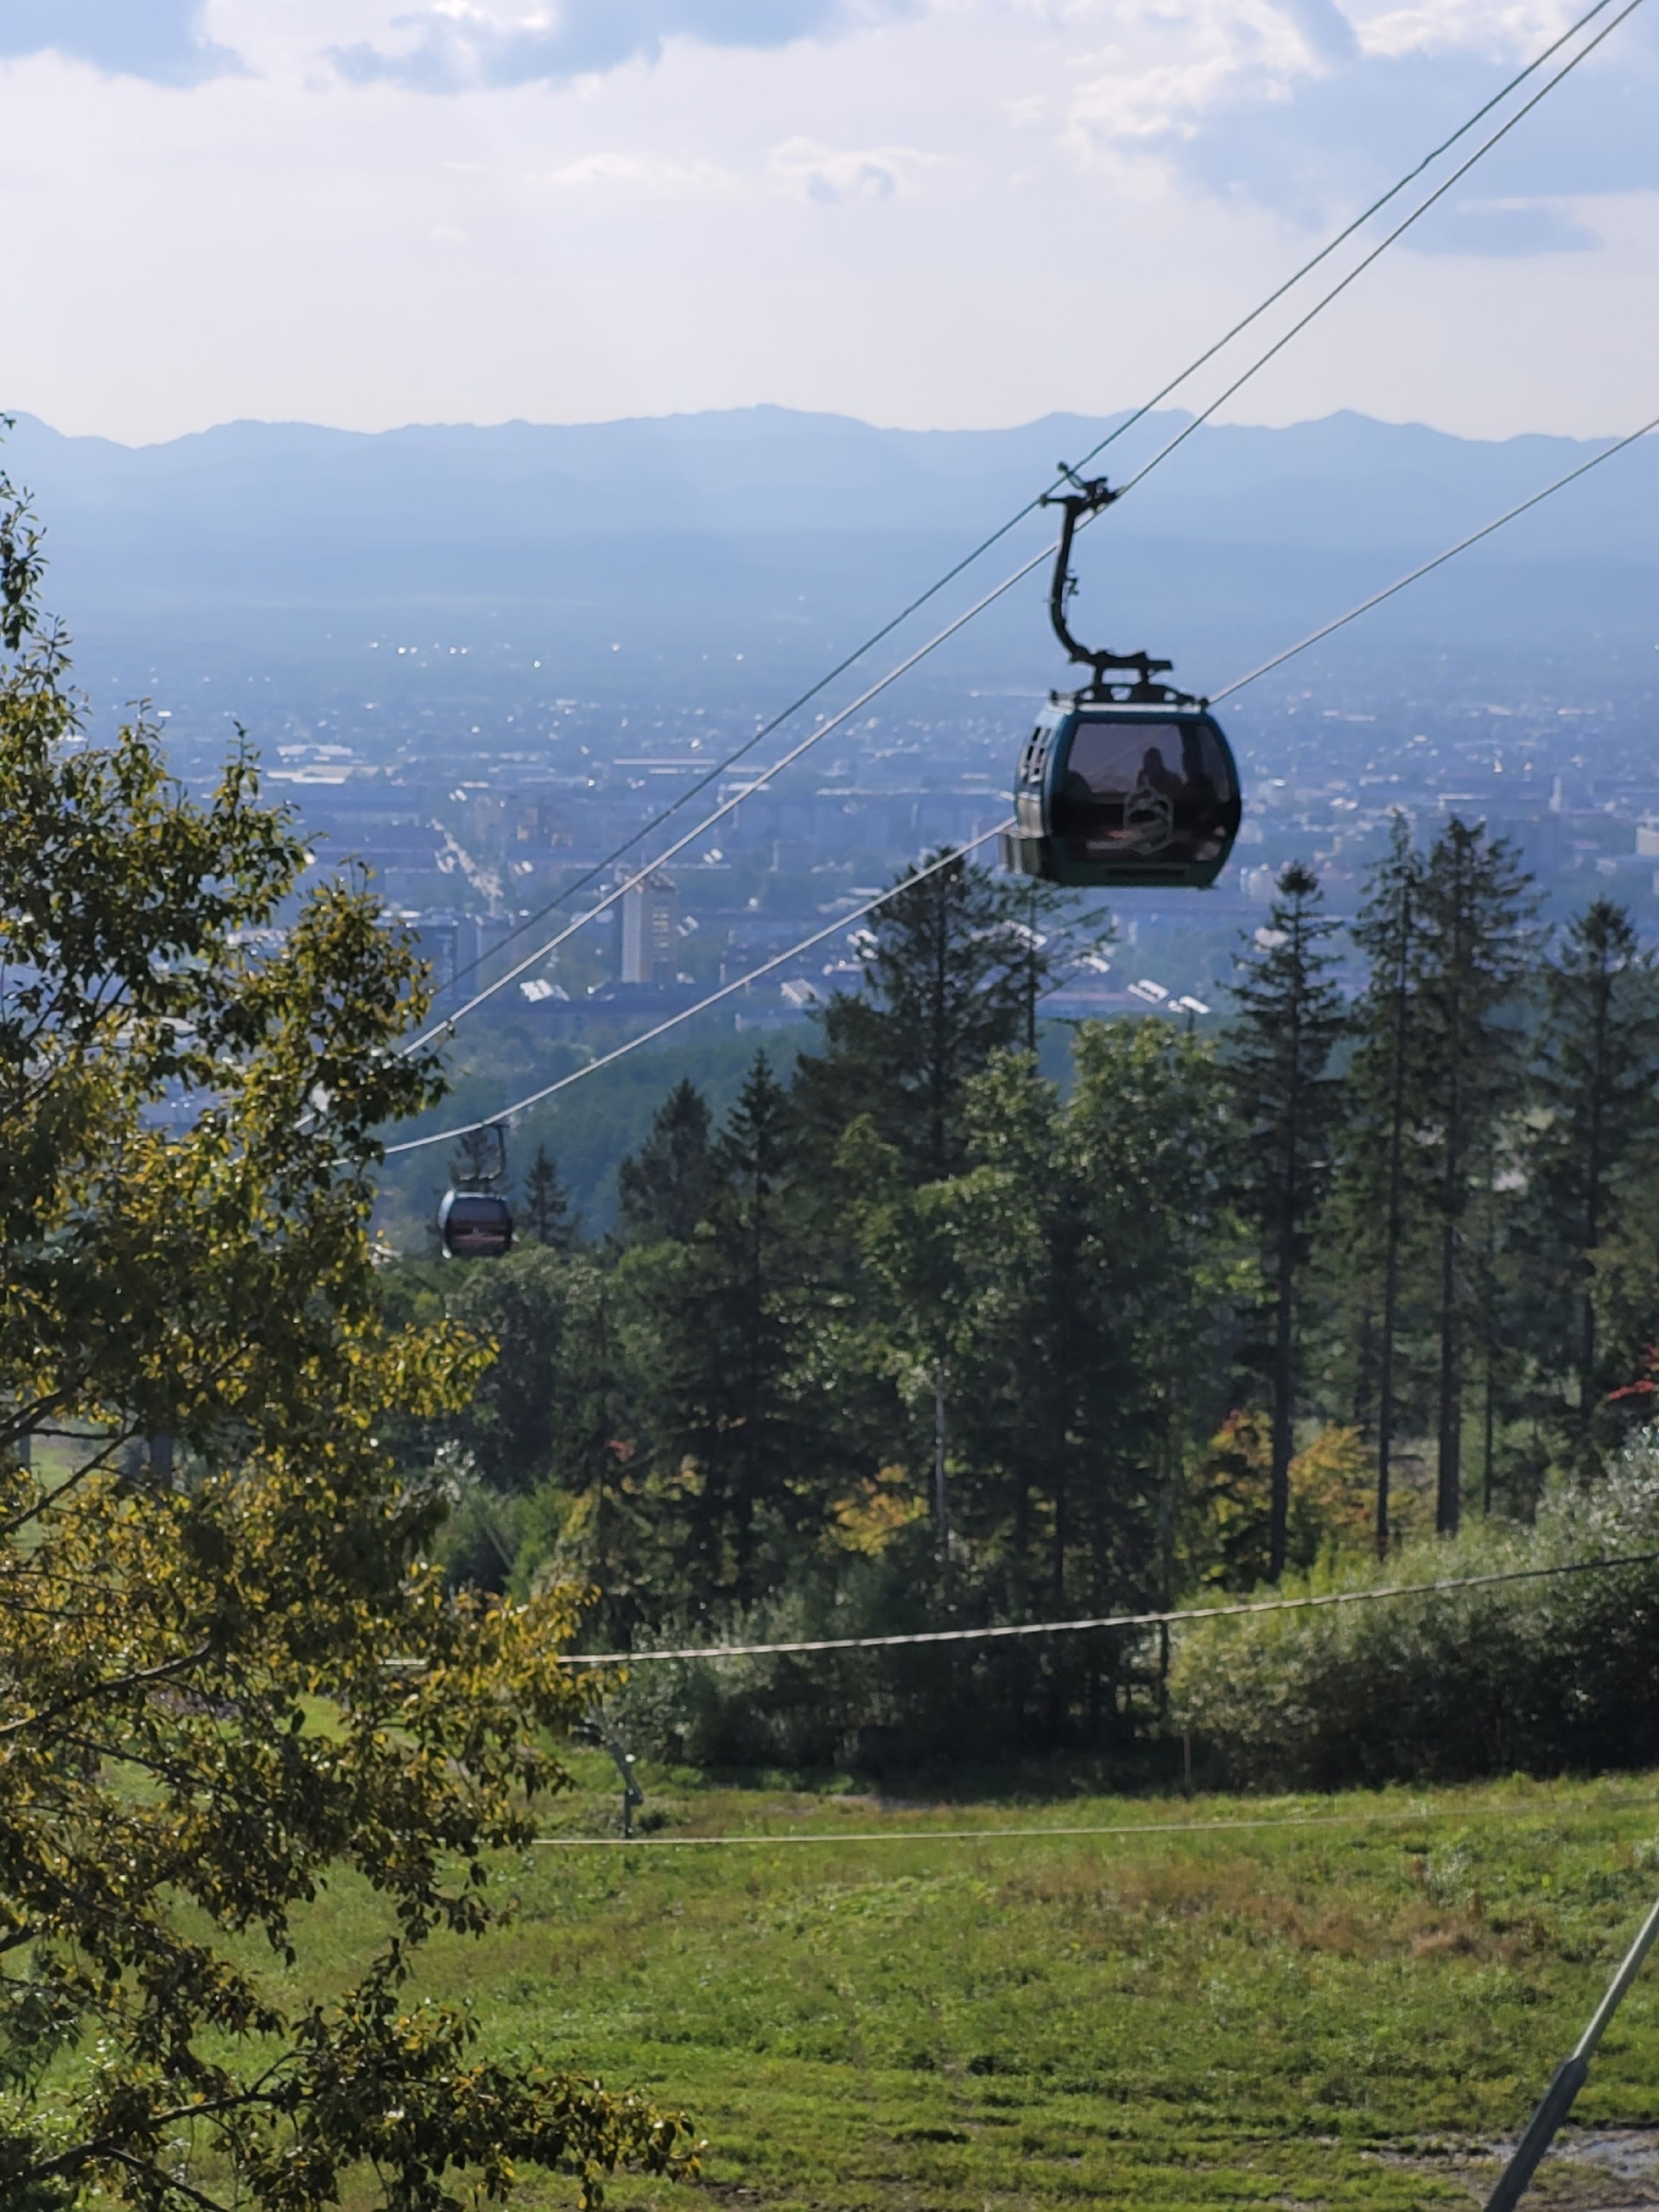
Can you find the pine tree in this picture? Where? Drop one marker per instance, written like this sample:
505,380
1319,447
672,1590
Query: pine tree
1058,937
511,1427
722,1321
1290,1017
546,1208
1595,1080
1382,1092
666,1186
1474,943
476,1159
953,972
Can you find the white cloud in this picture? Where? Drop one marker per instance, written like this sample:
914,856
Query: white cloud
829,175
957,211
162,40
1195,60
460,45
643,174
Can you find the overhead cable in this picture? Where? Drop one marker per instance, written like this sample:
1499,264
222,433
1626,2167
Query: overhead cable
1181,1617
806,945
1323,254
1139,414
726,990
1359,1817
1381,247
959,622
728,805
1440,559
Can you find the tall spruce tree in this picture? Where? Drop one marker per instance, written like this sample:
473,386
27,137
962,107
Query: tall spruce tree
511,1427
952,972
1474,947
1381,1097
1286,1105
723,1319
1596,1080
1060,937
476,1158
546,1209
665,1188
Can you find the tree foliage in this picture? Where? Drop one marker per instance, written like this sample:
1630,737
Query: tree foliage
1593,1131
228,1669
666,1186
951,976
1290,1016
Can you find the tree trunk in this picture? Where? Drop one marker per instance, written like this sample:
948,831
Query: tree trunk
938,1080
1284,1379
1593,1175
1392,1235
1448,1504
1449,1496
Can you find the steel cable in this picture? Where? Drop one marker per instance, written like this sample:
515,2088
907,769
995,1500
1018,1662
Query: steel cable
876,637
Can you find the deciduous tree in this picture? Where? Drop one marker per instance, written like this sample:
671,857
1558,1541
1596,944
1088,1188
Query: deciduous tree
187,1145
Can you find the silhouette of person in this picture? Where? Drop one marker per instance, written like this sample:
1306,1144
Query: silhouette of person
1156,776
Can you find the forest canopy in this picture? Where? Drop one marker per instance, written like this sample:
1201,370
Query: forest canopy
916,1335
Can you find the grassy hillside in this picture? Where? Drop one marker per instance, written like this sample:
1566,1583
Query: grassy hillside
1342,2002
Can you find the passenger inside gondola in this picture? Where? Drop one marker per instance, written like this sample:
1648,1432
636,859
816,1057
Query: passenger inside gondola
1120,793
1158,778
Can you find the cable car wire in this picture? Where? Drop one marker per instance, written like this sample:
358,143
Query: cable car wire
1183,1616
1325,251
959,622
806,945
876,637
1360,1816
835,721
686,1014
729,805
1439,560
1381,247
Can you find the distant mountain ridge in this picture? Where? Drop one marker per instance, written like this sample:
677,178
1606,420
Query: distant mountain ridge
782,534
1345,479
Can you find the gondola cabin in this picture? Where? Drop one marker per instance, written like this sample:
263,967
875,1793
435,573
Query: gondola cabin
1127,781
1113,794
474,1225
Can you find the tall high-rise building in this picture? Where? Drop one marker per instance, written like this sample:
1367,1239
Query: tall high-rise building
651,912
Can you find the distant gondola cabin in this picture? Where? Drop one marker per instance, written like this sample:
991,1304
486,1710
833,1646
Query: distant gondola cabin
474,1225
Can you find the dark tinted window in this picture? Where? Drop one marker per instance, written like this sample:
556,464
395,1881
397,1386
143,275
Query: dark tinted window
1147,790
477,1223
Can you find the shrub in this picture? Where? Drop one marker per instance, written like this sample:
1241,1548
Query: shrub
1560,1673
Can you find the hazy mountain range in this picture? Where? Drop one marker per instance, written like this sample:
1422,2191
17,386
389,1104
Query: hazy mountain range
780,535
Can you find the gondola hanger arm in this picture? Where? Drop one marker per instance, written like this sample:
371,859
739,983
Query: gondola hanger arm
1090,496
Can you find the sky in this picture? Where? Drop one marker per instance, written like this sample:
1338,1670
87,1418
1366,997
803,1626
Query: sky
937,214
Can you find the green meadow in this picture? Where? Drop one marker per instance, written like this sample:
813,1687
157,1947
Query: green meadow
1341,2002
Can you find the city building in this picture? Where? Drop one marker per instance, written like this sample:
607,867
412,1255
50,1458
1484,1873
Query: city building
650,915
